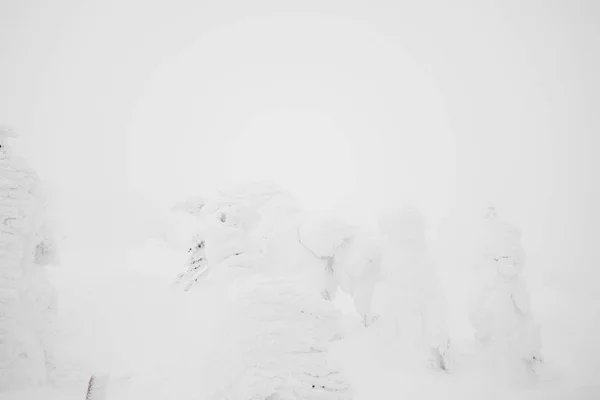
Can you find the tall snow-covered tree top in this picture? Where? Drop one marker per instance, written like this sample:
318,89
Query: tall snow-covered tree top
499,239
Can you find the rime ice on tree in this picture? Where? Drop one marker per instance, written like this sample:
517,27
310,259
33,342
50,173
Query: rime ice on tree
243,228
27,300
350,257
358,271
323,237
410,297
277,328
277,343
500,304
196,265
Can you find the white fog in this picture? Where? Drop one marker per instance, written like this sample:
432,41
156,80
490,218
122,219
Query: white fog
205,170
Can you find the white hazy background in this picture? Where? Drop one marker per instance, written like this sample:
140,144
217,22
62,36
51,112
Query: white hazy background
129,106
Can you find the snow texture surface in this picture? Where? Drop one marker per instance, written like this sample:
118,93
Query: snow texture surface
27,300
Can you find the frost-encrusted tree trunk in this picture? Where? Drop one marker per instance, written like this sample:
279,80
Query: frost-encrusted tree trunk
27,300
500,301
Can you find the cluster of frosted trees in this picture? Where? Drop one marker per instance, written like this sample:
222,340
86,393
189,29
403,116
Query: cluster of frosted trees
27,300
387,271
279,327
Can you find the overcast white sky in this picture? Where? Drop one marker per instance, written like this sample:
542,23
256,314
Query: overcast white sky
146,102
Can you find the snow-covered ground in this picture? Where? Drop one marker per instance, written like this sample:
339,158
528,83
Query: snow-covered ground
154,342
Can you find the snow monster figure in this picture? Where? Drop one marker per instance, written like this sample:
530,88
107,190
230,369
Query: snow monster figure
410,299
350,256
500,308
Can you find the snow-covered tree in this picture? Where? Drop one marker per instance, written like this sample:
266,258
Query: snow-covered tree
196,264
247,226
350,257
358,270
277,328
410,299
181,226
322,236
27,300
276,340
46,250
500,308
